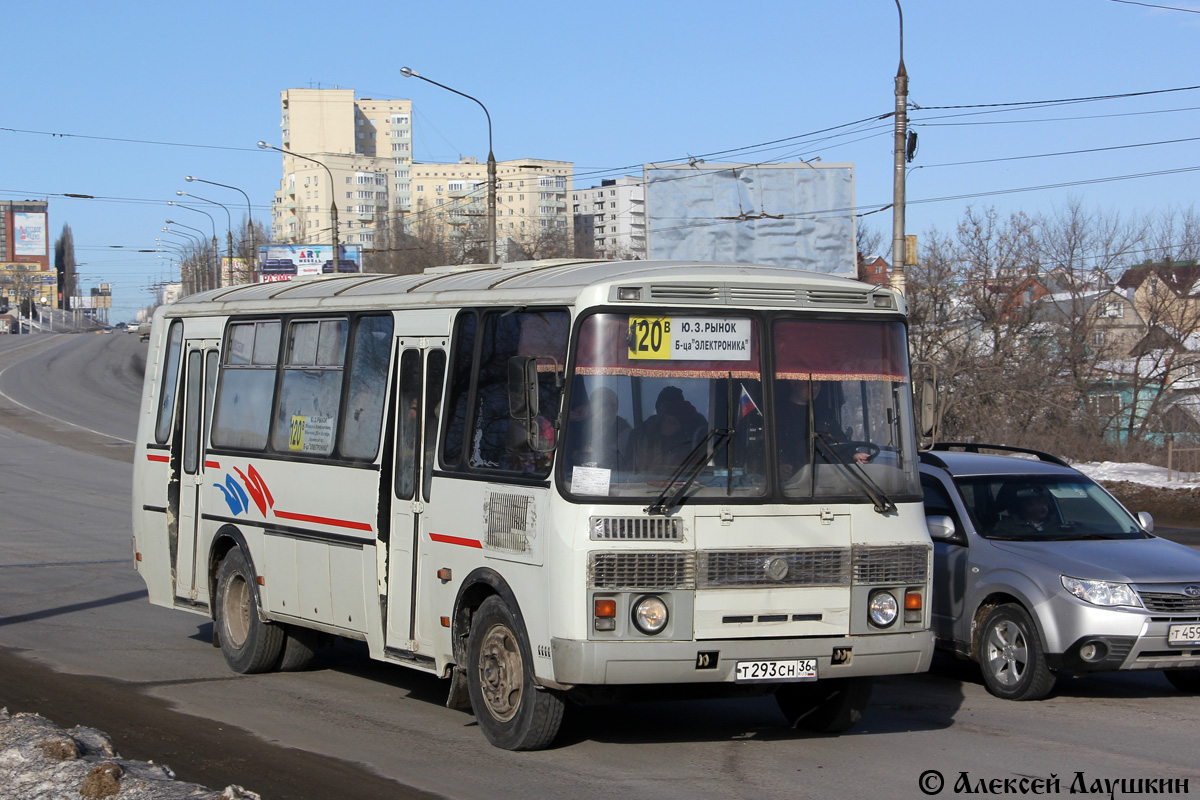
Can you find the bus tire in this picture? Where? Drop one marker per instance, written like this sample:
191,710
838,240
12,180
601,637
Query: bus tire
832,705
300,646
512,711
248,644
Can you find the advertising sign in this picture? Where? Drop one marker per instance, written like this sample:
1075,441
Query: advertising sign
799,216
282,262
29,234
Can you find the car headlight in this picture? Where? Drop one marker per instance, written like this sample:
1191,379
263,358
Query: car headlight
650,614
883,609
1102,593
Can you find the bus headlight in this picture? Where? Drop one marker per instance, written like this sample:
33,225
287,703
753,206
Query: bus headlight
650,614
883,609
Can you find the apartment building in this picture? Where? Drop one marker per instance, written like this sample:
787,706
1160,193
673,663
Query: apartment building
366,146
612,217
531,203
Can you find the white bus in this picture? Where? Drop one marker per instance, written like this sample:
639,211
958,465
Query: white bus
547,482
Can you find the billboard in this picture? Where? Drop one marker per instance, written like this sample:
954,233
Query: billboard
29,234
799,216
282,262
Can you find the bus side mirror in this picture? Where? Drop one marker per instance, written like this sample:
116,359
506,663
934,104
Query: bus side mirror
522,387
928,407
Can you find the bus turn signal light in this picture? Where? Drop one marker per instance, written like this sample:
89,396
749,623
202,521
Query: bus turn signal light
912,606
606,614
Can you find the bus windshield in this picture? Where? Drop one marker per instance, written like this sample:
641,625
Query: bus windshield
655,398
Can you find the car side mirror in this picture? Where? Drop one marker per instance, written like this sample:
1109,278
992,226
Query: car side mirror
1146,521
941,528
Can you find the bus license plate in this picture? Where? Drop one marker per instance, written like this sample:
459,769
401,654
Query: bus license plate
791,669
1180,634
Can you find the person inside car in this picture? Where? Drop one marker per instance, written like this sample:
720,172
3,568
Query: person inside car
1030,510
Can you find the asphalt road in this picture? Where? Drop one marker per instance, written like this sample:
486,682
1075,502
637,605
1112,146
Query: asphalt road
80,644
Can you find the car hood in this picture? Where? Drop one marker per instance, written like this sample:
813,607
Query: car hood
1124,560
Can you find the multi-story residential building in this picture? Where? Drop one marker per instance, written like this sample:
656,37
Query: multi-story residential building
531,204
612,218
365,144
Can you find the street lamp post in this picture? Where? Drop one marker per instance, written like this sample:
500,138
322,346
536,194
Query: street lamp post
491,162
249,215
899,257
198,243
228,231
333,217
209,271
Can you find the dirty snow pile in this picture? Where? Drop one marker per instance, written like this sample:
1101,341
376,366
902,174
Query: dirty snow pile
40,761
1147,474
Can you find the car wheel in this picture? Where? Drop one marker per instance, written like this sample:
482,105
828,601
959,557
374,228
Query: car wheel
1011,656
828,706
1185,680
512,711
248,644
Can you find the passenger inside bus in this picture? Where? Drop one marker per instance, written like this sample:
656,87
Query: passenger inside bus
599,436
665,439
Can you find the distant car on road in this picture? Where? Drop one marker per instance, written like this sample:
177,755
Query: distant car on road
143,330
1038,569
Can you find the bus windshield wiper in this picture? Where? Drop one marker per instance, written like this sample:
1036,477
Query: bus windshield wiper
691,464
881,501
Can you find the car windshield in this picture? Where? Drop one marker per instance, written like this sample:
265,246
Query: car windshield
1047,508
657,401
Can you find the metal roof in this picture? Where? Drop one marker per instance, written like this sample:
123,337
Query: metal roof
559,281
962,464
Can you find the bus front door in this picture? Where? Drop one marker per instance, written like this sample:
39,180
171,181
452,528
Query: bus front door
418,411
199,381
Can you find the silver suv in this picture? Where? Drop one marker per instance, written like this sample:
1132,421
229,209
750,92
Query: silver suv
1037,569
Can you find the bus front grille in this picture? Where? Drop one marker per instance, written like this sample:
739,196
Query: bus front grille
642,570
878,565
744,569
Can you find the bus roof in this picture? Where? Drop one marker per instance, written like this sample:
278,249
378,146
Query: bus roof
560,281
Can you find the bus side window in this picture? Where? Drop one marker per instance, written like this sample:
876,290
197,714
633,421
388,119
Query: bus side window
434,378
242,415
166,397
309,402
460,387
363,417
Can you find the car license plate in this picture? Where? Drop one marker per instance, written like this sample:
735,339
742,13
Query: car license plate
1180,634
790,669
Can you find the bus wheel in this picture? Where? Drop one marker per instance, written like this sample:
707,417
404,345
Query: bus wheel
300,647
513,712
248,644
827,706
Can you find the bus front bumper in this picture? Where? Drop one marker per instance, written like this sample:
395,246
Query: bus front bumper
578,663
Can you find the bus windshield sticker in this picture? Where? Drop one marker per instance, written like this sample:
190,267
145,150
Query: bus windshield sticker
690,338
590,480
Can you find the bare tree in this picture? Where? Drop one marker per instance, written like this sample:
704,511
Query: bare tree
64,263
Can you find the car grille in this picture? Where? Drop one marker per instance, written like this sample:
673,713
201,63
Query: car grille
891,564
1169,602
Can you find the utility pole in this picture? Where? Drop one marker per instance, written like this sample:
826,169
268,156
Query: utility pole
901,146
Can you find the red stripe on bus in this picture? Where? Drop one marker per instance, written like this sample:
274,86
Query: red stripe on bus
212,464
337,523
152,457
438,537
